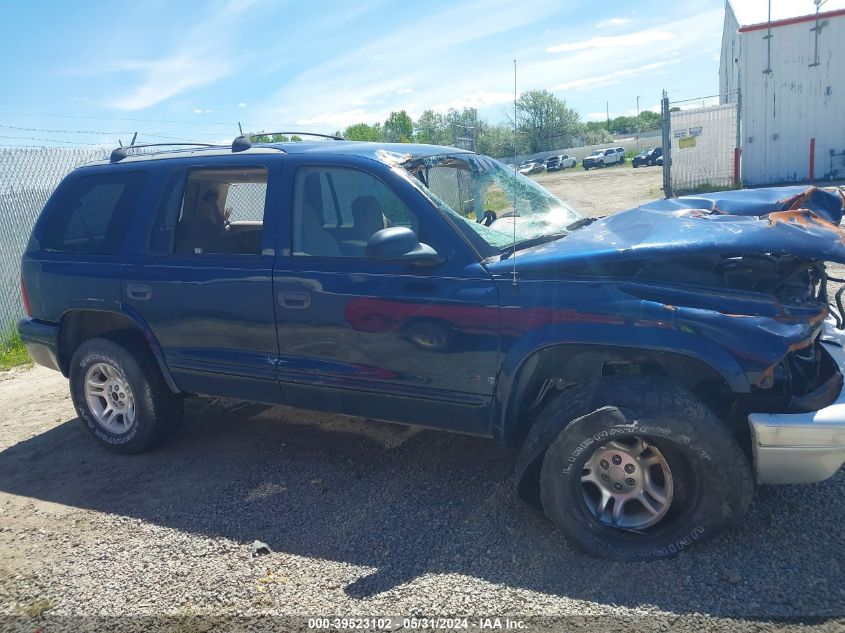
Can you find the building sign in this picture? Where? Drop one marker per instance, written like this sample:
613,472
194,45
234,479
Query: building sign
695,131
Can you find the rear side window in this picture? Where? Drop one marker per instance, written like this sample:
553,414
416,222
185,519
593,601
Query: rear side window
92,214
212,211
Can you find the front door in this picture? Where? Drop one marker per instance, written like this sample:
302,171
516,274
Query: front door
381,339
204,286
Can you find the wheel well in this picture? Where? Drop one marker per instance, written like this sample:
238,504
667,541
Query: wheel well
557,368
80,325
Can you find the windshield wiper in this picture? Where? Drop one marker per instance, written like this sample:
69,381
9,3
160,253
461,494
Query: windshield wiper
534,241
580,223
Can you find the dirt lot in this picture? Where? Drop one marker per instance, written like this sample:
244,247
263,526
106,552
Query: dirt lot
604,191
363,519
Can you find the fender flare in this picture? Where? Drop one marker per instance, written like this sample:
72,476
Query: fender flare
136,318
509,386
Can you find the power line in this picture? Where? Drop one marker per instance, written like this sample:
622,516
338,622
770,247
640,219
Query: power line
107,118
230,124
48,140
162,135
38,129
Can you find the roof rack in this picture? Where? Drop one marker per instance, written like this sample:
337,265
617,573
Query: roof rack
120,153
244,141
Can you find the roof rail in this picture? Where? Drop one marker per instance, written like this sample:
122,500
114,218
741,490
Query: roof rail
244,141
120,153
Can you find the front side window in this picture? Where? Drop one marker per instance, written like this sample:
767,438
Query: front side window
92,215
487,200
213,211
337,209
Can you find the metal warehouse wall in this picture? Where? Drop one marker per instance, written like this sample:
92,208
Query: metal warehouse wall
727,59
782,110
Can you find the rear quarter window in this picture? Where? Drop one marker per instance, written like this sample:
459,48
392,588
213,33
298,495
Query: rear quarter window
92,214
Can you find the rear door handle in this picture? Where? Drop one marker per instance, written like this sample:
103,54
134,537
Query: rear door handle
139,292
295,300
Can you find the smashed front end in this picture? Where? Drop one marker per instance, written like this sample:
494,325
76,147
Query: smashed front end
793,348
744,279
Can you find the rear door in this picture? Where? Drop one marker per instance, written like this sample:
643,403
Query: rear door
203,281
380,339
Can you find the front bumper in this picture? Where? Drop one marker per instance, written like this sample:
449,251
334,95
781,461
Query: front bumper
802,448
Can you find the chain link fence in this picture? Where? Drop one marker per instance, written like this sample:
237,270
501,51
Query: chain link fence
28,177
700,145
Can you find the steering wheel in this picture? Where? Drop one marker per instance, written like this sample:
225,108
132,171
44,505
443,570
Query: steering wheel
488,218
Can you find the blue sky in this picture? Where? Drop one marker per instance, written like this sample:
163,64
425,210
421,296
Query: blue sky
192,69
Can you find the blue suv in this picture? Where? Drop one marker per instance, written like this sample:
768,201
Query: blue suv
649,366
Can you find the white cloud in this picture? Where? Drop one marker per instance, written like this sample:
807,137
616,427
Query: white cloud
603,24
242,105
404,91
350,81
480,99
199,60
637,38
341,119
352,89
611,78
201,111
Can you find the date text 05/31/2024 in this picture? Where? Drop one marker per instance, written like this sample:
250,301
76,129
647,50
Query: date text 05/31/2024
396,623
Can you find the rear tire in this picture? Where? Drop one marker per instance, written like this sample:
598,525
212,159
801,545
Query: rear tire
696,478
120,394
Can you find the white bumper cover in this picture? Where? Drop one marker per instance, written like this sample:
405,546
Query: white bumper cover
800,448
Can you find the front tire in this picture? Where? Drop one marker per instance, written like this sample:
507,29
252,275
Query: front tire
639,469
120,395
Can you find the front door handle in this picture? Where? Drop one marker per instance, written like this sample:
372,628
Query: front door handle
139,292
295,300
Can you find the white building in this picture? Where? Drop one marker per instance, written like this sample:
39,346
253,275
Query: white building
791,77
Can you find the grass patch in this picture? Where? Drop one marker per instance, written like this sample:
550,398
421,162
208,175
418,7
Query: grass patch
12,351
497,200
708,188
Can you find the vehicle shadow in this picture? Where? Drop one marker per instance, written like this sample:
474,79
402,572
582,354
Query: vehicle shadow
411,502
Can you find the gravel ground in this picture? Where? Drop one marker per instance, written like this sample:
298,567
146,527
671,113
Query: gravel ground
362,518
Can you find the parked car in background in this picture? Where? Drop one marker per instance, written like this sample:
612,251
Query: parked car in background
659,161
531,167
601,158
647,157
621,152
648,365
561,161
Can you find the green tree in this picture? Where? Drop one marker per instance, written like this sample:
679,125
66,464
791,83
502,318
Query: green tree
649,120
399,128
364,132
261,137
597,136
624,125
545,122
430,128
495,140
296,138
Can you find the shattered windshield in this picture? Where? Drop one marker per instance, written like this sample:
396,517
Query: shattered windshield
488,200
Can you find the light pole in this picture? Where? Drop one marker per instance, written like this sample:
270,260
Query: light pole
638,105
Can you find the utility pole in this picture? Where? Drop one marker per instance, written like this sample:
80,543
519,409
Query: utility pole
607,107
638,105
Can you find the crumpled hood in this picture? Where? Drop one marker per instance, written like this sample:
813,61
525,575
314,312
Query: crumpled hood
798,221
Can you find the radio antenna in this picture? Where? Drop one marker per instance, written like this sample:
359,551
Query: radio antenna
515,215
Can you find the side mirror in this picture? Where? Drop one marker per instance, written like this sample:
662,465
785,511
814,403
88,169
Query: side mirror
400,244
